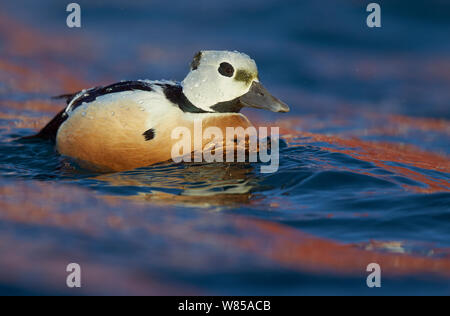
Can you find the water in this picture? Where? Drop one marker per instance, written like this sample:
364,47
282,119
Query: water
364,171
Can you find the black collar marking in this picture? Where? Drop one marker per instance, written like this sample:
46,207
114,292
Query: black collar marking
174,93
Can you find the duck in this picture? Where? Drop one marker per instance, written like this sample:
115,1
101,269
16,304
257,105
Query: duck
128,124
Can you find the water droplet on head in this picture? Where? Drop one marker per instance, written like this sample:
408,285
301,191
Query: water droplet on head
112,113
83,113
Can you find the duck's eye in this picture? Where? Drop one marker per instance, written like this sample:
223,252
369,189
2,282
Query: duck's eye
225,69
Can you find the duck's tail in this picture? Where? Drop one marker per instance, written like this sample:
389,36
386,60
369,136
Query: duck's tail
50,130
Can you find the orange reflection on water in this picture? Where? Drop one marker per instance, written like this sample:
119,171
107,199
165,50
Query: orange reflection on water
382,154
44,74
304,251
40,204
86,212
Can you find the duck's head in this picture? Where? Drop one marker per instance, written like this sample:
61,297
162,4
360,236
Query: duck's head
223,81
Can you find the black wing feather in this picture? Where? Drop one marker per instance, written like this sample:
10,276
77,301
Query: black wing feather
51,129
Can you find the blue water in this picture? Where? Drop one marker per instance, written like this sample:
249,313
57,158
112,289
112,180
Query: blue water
350,171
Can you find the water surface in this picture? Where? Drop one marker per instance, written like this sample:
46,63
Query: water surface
364,171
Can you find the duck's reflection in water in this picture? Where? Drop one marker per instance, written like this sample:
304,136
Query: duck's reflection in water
187,184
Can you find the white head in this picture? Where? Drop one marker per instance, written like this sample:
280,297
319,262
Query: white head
223,81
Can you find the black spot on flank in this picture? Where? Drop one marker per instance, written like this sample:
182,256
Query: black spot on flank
225,69
196,61
149,135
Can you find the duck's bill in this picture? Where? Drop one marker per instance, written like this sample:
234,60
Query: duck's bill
258,97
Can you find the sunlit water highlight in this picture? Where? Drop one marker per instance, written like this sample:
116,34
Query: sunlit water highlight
364,171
